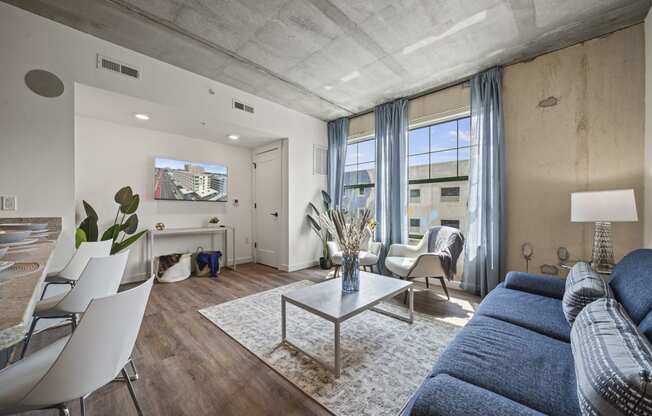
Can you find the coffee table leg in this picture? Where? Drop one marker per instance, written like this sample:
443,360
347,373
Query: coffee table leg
338,364
282,319
411,304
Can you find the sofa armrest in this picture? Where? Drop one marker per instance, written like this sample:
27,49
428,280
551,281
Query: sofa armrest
550,286
444,395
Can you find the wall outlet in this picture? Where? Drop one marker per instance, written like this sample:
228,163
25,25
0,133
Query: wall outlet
9,203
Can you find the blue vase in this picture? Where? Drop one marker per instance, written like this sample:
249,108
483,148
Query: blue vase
350,274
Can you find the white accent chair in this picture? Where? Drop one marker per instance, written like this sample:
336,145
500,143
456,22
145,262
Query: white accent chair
101,277
414,262
368,257
75,366
71,272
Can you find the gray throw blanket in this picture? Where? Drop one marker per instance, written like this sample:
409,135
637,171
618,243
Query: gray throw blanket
447,243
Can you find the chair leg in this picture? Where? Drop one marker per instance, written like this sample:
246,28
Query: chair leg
427,283
28,337
132,392
443,284
337,269
82,406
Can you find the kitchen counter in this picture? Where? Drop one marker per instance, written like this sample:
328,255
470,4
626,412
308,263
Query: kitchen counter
21,284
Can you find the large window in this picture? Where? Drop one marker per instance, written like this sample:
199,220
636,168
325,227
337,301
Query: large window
438,168
360,176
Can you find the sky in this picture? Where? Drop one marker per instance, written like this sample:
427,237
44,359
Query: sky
180,164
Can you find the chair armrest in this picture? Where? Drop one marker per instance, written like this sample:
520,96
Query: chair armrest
375,247
332,248
403,250
426,265
549,286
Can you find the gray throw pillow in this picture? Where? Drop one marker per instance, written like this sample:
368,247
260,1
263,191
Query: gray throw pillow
613,362
583,286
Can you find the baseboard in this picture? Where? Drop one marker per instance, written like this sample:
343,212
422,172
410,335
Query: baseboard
298,266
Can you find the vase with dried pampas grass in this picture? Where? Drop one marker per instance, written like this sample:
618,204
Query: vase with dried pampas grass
350,236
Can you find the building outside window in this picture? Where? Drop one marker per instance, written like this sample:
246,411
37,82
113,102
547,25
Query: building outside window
360,176
438,169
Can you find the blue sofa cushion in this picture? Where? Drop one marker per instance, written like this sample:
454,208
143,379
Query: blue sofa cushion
613,362
444,395
538,313
517,363
646,326
537,284
583,286
631,283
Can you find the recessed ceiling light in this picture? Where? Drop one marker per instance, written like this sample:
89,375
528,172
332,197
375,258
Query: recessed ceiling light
328,87
353,75
141,116
233,136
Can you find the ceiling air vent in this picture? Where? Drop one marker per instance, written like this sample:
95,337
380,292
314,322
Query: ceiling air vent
109,64
243,107
319,160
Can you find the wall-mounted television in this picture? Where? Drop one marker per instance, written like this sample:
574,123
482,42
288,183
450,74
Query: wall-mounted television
181,180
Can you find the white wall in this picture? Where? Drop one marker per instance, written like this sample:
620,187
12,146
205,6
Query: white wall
647,215
109,156
37,140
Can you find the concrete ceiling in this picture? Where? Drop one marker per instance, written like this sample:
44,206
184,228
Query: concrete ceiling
331,58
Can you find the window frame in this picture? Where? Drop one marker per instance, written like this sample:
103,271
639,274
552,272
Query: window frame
358,141
429,180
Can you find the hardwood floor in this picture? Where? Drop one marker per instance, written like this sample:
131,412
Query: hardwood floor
188,366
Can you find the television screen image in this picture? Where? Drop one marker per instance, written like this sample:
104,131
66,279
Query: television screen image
180,180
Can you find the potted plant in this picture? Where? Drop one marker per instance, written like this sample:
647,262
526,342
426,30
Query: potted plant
317,221
124,227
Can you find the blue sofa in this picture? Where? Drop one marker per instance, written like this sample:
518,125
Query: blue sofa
514,357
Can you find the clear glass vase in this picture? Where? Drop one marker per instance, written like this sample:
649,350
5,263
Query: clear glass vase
350,274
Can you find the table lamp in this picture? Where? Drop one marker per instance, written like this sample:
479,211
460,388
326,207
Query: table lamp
603,208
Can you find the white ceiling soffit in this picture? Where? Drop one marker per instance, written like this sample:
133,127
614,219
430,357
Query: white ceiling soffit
331,58
201,124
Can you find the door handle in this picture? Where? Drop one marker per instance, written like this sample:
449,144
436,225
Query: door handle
274,214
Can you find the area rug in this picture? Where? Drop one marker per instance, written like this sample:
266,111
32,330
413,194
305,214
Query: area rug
384,360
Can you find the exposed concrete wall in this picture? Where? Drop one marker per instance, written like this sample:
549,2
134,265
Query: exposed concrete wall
647,217
592,139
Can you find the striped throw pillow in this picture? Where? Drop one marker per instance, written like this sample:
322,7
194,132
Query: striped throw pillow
583,286
613,362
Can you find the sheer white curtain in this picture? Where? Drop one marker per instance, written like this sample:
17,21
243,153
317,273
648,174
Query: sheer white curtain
484,249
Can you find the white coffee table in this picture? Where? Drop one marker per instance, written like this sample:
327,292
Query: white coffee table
327,301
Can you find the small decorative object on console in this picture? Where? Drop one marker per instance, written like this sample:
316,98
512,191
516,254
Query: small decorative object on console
213,221
159,226
349,237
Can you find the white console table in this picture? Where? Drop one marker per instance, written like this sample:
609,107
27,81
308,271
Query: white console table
224,230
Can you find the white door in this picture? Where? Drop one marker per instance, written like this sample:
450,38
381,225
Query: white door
267,204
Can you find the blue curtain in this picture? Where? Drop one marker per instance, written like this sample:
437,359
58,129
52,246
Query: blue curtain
484,249
338,130
391,123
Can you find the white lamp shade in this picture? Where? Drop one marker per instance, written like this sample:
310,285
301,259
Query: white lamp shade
607,206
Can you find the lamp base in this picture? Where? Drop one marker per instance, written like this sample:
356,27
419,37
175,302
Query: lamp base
603,251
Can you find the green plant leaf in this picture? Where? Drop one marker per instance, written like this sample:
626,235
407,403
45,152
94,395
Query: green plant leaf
327,200
131,206
118,247
80,237
111,232
123,196
89,225
314,223
90,212
131,225
314,208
